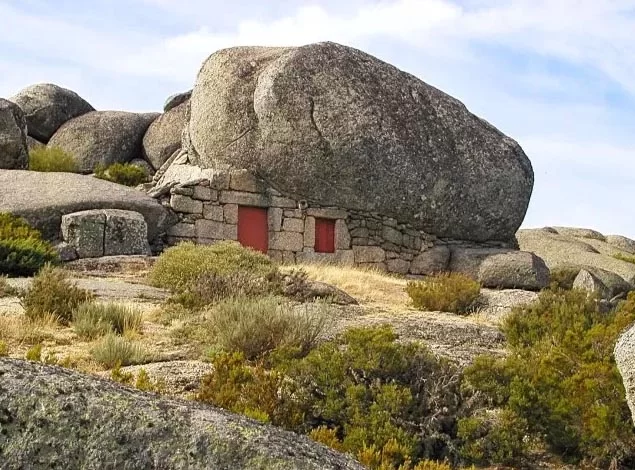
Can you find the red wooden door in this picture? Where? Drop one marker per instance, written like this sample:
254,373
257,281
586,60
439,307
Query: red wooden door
253,229
325,236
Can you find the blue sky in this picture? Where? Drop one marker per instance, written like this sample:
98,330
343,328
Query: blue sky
556,75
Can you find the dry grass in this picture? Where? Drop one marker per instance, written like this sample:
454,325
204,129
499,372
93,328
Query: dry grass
371,287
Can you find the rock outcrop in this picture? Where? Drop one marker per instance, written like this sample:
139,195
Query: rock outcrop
58,418
103,137
163,137
334,125
625,359
13,129
43,198
47,107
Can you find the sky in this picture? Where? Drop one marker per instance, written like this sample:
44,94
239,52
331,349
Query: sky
556,75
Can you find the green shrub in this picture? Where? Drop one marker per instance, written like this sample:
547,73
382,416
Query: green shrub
4,349
180,266
122,173
22,251
52,159
113,350
92,320
563,277
255,327
363,393
34,353
561,380
452,292
623,257
51,292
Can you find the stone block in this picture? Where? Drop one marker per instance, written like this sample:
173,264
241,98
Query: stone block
213,212
309,232
398,265
283,202
275,255
231,232
342,237
288,257
369,254
286,241
180,203
219,181
359,232
84,231
202,193
327,213
182,230
182,191
341,257
274,219
515,270
244,180
126,233
230,213
293,225
244,199
392,235
210,229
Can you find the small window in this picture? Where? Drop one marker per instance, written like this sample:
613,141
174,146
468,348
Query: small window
325,236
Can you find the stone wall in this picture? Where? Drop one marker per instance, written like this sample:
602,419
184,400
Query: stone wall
208,212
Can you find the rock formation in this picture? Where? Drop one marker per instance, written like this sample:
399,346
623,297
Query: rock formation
47,107
163,137
13,145
336,126
70,420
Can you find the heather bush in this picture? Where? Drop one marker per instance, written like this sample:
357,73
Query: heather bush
122,173
563,277
451,292
92,320
52,293
51,159
113,350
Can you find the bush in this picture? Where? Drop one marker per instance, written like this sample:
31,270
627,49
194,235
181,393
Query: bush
623,257
51,292
452,292
22,251
4,349
92,320
563,277
255,327
114,350
561,380
34,353
180,266
122,173
52,159
363,393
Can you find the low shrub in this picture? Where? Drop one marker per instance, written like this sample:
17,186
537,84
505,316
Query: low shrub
180,266
92,320
4,349
563,277
560,379
22,251
623,257
51,292
49,159
122,173
34,353
113,350
451,292
255,327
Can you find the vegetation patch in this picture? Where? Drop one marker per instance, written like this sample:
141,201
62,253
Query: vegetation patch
559,385
113,350
623,257
6,290
122,173
563,277
52,293
451,292
92,319
52,159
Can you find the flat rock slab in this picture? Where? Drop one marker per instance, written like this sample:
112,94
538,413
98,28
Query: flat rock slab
43,198
59,418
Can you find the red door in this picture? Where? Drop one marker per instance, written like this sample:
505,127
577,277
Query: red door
325,235
253,229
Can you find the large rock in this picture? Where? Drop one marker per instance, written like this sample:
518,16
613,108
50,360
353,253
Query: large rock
43,198
176,100
574,248
106,232
13,146
501,268
432,261
103,137
605,283
163,137
331,124
621,242
58,418
625,359
47,107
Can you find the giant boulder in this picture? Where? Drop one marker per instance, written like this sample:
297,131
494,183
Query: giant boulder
163,137
331,124
43,198
57,418
13,146
47,107
103,137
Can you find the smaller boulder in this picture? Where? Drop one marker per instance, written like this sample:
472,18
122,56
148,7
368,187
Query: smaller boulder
176,100
163,137
47,107
14,154
514,270
103,137
32,143
108,232
433,260
602,282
